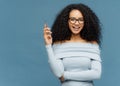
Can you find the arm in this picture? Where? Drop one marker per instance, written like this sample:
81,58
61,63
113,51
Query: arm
55,63
93,73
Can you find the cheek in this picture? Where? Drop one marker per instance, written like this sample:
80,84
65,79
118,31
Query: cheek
82,25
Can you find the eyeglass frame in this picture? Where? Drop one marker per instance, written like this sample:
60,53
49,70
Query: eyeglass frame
79,20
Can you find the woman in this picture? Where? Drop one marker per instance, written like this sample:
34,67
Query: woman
73,46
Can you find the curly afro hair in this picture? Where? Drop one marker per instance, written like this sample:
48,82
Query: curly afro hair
90,32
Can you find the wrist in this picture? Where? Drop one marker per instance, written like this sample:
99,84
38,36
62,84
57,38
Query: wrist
62,79
48,46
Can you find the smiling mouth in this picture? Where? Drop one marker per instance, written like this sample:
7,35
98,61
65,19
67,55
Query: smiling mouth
76,28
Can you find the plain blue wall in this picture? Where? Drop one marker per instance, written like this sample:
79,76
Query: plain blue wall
23,58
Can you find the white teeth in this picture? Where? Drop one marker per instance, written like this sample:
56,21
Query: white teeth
76,27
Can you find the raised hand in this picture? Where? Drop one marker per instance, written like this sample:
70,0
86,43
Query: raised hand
47,35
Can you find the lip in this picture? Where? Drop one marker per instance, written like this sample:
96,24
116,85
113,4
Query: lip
76,28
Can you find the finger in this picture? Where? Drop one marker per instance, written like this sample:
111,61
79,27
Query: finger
48,32
47,29
45,25
49,37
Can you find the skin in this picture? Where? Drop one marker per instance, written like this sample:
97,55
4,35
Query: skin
75,29
75,33
47,35
75,14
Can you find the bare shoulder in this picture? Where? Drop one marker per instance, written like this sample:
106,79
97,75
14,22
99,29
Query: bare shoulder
94,42
58,42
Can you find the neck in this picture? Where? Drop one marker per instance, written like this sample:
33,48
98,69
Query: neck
76,37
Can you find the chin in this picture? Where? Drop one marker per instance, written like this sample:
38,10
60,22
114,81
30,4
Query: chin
75,33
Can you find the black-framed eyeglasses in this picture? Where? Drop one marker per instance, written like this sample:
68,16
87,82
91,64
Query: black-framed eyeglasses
73,20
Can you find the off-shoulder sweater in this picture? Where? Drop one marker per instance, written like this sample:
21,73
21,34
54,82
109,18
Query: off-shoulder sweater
75,61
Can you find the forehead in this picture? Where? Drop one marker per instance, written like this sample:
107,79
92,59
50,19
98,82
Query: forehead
75,13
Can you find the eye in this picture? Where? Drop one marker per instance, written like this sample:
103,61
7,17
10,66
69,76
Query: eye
80,19
72,19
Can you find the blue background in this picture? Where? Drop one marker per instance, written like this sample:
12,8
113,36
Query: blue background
23,58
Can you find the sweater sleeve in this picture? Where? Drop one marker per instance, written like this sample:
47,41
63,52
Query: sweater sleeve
93,73
56,64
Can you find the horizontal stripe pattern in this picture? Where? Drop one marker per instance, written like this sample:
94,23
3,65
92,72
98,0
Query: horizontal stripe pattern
66,50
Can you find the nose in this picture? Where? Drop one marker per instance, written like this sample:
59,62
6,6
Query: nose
77,22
